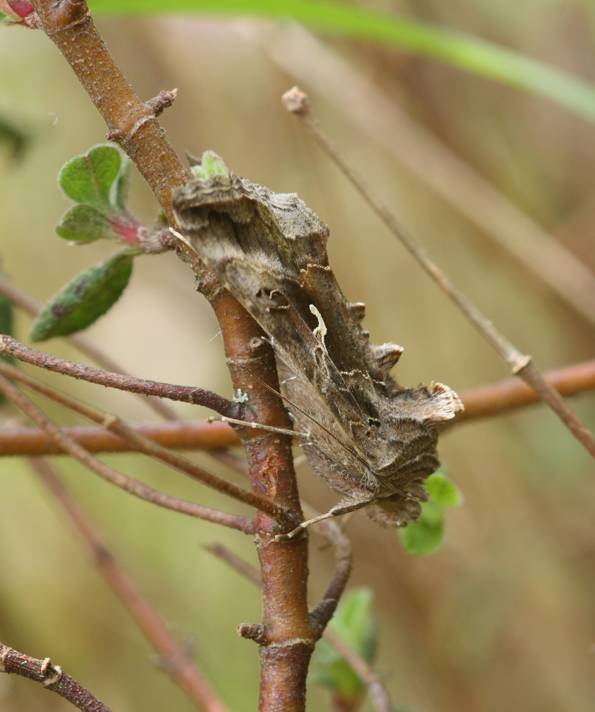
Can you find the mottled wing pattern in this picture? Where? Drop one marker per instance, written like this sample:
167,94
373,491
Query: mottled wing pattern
369,438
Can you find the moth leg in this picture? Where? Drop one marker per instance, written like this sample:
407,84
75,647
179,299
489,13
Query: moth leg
338,510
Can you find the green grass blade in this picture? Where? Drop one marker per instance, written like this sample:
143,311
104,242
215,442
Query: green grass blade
459,50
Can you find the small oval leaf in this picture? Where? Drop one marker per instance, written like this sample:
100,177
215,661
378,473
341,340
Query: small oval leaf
210,166
90,178
422,537
122,184
443,491
83,223
425,535
83,300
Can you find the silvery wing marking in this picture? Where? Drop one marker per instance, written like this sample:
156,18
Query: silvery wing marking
369,438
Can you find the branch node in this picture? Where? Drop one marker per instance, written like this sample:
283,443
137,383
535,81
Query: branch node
63,15
114,135
520,363
254,631
162,101
3,655
51,673
292,643
296,101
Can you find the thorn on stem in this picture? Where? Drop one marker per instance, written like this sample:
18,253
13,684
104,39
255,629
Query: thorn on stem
162,101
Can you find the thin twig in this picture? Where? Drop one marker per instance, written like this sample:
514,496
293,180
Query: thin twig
234,561
180,435
333,532
51,677
360,667
521,365
376,689
29,305
185,394
510,394
176,659
379,116
32,307
128,484
147,446
482,402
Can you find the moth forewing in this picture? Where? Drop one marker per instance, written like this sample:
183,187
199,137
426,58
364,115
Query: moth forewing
369,438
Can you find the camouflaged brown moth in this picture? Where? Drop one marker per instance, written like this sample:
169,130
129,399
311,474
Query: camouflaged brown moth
369,438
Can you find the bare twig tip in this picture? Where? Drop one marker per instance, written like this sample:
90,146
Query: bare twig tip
296,101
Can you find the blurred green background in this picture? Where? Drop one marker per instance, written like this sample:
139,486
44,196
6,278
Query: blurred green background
503,617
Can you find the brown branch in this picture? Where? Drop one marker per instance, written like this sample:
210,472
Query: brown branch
235,562
147,446
181,435
32,307
332,531
175,657
376,689
510,394
286,650
51,677
284,663
162,101
482,402
124,482
98,440
130,122
185,394
296,102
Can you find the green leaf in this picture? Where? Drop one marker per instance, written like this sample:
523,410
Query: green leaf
425,535
210,165
83,223
455,48
92,178
83,300
443,491
122,185
354,623
422,537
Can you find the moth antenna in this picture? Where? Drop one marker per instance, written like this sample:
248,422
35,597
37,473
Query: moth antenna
259,426
354,453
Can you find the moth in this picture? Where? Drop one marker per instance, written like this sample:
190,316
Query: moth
372,440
